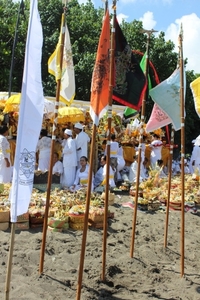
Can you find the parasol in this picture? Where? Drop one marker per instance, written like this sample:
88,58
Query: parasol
70,114
13,102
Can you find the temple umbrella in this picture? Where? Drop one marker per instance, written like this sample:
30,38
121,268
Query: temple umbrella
13,102
70,114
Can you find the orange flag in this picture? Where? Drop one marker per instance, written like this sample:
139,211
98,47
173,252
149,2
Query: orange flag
100,78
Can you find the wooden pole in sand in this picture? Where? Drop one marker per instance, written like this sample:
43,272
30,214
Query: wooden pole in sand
10,256
52,149
181,64
148,32
169,186
112,49
87,207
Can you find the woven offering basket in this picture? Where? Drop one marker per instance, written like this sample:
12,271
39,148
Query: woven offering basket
175,205
4,216
76,218
76,226
111,198
23,218
96,218
4,226
97,225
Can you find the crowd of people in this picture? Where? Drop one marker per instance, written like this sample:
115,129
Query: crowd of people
70,163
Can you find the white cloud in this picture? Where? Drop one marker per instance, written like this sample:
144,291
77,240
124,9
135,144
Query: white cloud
121,17
148,20
191,39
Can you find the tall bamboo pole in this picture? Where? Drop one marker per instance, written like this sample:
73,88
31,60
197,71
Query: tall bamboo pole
10,256
169,186
182,150
52,149
148,32
112,49
87,206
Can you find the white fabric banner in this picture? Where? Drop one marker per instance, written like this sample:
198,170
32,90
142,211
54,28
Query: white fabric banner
30,117
67,90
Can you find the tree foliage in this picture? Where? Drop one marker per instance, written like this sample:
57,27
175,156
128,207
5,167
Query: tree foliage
84,23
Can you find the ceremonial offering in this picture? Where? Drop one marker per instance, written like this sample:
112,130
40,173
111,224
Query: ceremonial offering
23,218
56,223
4,226
22,225
111,198
4,214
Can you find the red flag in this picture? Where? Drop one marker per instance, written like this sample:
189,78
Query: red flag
100,78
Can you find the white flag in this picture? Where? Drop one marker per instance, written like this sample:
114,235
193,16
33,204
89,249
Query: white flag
167,96
67,90
30,117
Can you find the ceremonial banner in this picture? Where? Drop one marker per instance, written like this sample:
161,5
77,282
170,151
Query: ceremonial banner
167,96
195,87
67,90
130,81
30,117
100,78
157,119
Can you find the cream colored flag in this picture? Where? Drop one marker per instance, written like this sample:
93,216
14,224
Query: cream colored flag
67,90
195,87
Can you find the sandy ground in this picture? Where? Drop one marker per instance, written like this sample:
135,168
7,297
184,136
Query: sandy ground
153,272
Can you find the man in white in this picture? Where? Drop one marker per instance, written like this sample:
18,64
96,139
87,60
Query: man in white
57,165
156,146
133,171
114,148
44,149
69,160
98,178
82,140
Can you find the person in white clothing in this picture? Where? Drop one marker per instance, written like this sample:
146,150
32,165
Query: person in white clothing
5,165
44,151
69,160
134,169
98,178
82,140
156,148
120,163
82,174
114,148
57,165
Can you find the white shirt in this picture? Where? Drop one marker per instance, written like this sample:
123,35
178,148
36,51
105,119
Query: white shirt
111,176
82,140
58,167
69,153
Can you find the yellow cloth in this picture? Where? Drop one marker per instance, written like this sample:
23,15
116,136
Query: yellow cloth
165,155
83,181
12,150
128,153
113,152
148,154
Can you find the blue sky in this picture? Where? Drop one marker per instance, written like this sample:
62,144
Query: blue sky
166,15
